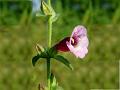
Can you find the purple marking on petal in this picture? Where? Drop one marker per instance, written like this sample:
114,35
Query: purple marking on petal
78,32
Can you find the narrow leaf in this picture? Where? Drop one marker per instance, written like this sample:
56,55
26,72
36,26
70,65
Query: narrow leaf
64,61
35,59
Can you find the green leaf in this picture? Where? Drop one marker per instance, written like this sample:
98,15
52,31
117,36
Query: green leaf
43,53
64,61
35,59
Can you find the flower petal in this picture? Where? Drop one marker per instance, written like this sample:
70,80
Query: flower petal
79,35
78,32
82,42
78,52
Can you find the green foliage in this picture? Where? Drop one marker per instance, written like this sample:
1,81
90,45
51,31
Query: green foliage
54,83
51,53
63,60
35,59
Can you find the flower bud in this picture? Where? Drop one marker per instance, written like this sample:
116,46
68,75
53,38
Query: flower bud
46,8
39,48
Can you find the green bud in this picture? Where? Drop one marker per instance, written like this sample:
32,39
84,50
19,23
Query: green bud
49,11
39,49
46,8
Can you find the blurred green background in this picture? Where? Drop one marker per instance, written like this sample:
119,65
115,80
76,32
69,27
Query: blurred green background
20,31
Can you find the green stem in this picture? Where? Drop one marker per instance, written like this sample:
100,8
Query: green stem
49,45
49,2
48,74
48,60
50,32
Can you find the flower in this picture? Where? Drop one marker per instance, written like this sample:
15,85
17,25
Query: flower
77,43
36,5
80,40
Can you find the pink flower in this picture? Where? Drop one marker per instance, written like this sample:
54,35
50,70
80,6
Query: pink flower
77,43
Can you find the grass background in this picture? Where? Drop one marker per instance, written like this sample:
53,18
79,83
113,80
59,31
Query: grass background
20,31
